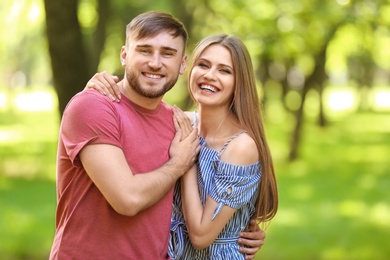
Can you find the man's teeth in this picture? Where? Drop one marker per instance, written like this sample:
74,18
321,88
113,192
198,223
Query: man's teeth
153,76
208,88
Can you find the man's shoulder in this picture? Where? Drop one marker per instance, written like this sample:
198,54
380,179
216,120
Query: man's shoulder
87,98
89,95
87,104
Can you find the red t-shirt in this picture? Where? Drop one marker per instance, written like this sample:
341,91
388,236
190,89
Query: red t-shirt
87,227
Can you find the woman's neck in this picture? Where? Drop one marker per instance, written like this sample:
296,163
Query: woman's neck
217,125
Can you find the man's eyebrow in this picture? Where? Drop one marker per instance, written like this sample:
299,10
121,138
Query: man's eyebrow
165,48
169,49
143,46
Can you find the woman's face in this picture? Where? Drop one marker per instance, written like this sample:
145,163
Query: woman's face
212,77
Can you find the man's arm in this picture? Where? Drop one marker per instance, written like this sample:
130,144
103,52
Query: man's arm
127,193
252,239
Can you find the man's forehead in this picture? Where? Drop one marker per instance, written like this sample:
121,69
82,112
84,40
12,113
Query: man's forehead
162,39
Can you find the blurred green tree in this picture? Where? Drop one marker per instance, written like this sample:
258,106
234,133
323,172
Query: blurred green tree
293,43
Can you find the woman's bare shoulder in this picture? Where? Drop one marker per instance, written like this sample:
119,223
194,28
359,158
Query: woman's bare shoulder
242,150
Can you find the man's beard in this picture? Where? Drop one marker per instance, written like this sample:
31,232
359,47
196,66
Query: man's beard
149,92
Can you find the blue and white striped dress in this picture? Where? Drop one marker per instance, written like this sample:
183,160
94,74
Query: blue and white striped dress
232,185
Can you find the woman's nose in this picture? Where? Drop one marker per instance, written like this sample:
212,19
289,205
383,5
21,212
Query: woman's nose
210,75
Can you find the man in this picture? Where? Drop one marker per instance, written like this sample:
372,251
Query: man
117,163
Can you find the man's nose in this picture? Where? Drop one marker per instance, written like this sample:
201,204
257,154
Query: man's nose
155,61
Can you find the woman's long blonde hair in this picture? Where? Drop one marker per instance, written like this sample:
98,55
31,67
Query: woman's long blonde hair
246,107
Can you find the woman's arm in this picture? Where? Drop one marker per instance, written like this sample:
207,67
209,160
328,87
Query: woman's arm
201,228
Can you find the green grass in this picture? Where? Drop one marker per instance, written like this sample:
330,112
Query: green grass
334,200
27,184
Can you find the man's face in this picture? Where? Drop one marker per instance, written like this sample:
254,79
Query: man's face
153,64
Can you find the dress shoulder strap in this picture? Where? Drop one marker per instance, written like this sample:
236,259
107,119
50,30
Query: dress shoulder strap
228,141
195,118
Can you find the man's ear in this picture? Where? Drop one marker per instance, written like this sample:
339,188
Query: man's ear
123,56
183,65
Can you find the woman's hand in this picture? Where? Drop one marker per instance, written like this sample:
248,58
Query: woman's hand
182,121
254,240
106,84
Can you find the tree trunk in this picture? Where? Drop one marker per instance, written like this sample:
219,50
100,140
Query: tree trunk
68,58
317,77
100,35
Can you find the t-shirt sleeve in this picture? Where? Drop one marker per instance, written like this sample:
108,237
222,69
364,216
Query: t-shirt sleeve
234,185
89,118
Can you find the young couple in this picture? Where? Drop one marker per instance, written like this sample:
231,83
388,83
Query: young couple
119,161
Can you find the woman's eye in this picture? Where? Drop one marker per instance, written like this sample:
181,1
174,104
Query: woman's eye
226,71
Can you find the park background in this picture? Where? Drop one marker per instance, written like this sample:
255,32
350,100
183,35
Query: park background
323,74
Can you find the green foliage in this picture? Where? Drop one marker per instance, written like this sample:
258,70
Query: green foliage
23,44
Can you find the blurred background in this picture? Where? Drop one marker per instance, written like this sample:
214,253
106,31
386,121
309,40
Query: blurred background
323,72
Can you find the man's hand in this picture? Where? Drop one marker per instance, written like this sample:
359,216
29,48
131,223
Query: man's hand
106,84
254,240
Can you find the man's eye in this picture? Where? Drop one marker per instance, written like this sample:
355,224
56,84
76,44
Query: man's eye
168,54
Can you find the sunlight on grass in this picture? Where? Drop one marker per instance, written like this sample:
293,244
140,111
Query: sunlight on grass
352,208
289,217
29,169
3,101
299,168
381,99
10,136
35,101
370,153
303,191
380,214
367,182
342,253
341,100
18,221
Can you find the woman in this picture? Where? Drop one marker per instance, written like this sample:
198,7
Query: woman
217,198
